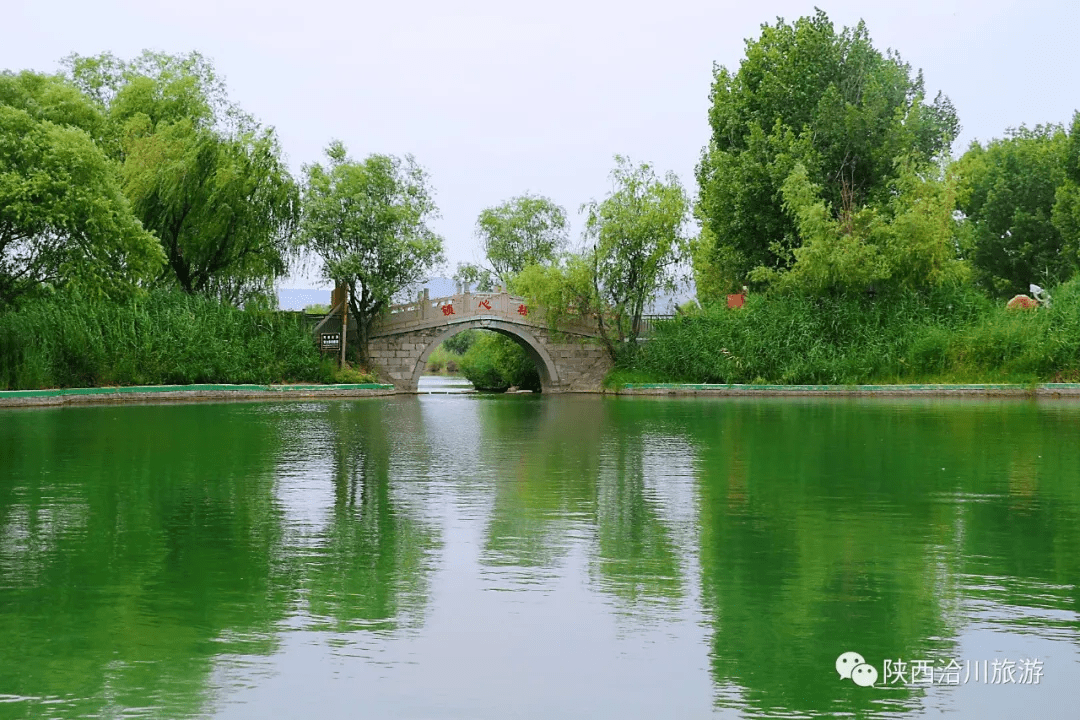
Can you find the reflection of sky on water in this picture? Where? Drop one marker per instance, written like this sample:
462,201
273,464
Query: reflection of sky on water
498,640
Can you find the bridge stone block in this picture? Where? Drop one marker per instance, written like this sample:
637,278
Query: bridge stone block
568,363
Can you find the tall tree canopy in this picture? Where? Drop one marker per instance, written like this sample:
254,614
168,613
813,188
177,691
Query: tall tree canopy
1008,191
202,175
1066,213
367,224
154,87
225,209
909,241
63,217
806,95
636,240
525,230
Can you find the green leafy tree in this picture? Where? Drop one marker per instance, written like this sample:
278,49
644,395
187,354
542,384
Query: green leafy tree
1066,212
63,217
459,344
51,98
565,289
153,88
523,231
716,268
637,241
225,209
367,224
805,94
907,242
202,175
475,276
497,362
526,230
567,292
1007,192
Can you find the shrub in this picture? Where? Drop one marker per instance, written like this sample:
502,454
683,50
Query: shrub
496,362
459,344
440,360
349,375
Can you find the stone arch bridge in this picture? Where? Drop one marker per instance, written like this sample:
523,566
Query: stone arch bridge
401,341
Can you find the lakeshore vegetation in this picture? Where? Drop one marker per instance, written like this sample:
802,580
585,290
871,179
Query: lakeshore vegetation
145,218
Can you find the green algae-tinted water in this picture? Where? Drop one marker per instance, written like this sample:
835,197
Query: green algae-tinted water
540,557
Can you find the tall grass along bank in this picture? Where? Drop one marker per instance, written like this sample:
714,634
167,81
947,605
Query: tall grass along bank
163,338
947,335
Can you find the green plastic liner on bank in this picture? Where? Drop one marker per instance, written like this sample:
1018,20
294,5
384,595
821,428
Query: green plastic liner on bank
1050,387
283,389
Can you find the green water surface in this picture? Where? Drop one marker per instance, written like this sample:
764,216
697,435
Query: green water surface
472,556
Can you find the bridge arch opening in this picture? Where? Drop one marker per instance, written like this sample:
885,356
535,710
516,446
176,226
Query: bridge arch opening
534,349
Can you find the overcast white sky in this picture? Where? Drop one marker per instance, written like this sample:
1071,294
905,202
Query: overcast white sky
499,98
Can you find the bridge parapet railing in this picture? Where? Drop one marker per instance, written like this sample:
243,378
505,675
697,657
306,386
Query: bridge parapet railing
427,311
431,311
462,305
649,323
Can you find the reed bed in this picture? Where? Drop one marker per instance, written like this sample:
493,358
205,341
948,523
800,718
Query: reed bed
165,337
443,362
947,335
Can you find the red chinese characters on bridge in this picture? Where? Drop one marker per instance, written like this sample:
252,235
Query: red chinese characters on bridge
447,309
522,310
484,304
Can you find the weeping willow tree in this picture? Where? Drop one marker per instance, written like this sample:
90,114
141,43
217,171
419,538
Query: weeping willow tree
201,175
64,219
224,208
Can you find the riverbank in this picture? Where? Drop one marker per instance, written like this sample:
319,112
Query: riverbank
202,393
1044,390
187,393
